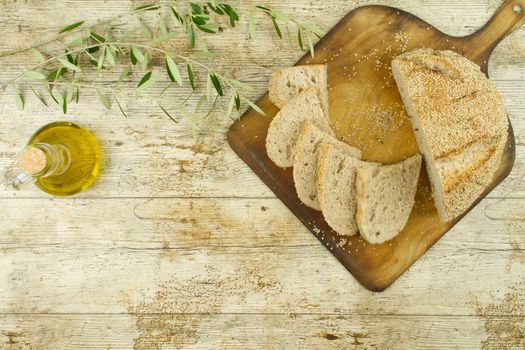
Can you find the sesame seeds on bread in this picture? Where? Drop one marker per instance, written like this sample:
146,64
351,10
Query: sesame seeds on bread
459,121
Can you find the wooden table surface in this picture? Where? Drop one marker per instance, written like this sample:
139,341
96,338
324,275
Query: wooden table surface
182,246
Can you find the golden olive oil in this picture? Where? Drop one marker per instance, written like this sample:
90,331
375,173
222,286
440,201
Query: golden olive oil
83,158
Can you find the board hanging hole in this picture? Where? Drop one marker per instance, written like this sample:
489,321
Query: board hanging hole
518,9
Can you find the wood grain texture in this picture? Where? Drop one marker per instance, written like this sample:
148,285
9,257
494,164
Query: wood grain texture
163,212
367,112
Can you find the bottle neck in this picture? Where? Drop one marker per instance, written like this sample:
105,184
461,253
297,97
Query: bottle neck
43,160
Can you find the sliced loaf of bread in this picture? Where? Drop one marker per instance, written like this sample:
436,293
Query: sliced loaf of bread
288,82
336,171
286,126
459,121
385,197
305,161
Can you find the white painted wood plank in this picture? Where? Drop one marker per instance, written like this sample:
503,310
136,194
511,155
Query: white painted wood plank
246,331
223,262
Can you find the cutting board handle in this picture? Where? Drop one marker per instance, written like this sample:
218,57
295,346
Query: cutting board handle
509,17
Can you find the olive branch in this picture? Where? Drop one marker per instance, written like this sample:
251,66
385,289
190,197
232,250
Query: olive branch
98,49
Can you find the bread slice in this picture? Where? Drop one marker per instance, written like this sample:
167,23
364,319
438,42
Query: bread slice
288,82
286,125
459,122
305,161
336,171
385,197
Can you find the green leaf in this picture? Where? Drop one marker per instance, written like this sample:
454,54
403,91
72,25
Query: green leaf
144,79
147,7
138,55
76,42
215,9
147,80
48,88
195,9
145,30
109,57
68,56
314,29
199,104
120,107
70,27
191,76
162,26
237,102
104,99
277,28
54,75
101,58
169,115
255,107
77,95
175,16
173,70
300,38
230,107
31,74
64,103
241,85
38,55
97,37
93,49
69,65
264,8
251,25
208,28
216,84
124,74
38,96
199,19
132,58
234,17
311,46
144,64
18,98
191,36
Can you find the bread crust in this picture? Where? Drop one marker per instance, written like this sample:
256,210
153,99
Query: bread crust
459,121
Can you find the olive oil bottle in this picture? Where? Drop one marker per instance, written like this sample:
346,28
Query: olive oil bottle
61,158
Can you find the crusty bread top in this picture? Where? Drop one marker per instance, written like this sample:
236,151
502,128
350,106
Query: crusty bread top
457,105
288,82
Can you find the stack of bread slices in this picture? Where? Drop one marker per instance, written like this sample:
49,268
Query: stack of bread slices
354,195
457,116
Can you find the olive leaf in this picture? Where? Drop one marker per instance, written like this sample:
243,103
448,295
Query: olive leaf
145,30
300,39
104,99
191,76
147,80
147,7
136,55
162,26
124,74
255,107
216,83
102,57
69,65
38,55
277,28
251,25
18,98
168,114
237,101
31,74
173,70
311,47
40,98
120,107
97,37
64,103
109,56
71,27
191,36
230,107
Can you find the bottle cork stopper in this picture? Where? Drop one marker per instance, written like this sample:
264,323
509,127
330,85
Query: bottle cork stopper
33,160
